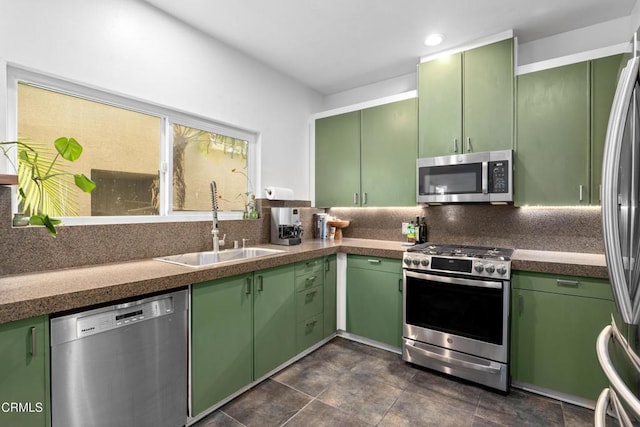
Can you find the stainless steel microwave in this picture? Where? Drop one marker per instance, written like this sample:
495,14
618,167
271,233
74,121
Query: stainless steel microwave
472,177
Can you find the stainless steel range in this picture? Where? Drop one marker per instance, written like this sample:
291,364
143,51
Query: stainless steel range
456,311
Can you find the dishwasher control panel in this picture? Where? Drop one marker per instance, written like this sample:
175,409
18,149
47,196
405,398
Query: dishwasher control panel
127,315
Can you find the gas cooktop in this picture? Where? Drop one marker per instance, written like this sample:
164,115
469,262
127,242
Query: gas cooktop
459,259
501,254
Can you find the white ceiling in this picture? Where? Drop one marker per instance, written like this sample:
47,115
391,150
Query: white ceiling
336,45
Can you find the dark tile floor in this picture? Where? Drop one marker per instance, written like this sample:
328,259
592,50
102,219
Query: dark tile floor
345,383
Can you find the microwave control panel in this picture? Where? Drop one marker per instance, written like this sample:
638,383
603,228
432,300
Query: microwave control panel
499,177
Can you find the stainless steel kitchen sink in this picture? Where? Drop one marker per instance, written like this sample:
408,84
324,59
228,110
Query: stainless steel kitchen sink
201,259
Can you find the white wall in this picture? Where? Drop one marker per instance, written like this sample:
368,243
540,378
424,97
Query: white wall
129,47
594,37
382,89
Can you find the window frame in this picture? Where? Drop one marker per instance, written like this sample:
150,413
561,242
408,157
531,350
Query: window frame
167,116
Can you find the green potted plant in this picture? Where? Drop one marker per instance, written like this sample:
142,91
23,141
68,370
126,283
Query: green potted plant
39,193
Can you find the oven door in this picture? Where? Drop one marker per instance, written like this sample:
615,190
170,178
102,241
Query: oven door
466,315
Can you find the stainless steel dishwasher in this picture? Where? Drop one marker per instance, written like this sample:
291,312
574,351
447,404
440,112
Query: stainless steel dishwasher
121,365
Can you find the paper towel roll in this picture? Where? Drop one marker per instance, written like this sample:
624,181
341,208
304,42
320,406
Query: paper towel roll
279,193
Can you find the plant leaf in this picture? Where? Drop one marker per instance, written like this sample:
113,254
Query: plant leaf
84,183
49,223
68,148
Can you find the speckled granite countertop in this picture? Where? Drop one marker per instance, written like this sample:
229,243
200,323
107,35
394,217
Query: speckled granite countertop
28,295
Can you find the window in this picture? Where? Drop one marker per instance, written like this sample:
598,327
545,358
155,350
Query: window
147,161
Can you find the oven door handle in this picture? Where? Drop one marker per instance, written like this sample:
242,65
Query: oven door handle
455,280
452,361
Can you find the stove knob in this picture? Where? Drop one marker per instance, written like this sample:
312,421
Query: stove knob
407,261
479,267
490,268
415,261
425,262
501,269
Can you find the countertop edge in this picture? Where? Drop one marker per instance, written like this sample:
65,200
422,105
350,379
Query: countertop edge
69,289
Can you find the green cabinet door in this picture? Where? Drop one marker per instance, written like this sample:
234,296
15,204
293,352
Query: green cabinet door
488,97
330,295
274,318
388,154
552,152
553,335
24,372
338,160
604,79
440,106
374,299
221,339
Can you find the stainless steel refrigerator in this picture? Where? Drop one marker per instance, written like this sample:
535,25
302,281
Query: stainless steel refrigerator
617,345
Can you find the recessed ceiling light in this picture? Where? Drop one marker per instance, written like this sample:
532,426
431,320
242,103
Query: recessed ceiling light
434,39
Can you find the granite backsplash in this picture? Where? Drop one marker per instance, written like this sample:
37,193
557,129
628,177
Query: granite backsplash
30,249
551,229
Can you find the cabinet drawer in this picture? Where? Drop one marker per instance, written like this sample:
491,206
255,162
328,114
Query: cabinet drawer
309,302
375,263
560,284
309,332
310,266
309,280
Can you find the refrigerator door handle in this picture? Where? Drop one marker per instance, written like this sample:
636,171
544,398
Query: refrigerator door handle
630,311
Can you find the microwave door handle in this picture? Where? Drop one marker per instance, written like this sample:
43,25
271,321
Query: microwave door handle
485,177
627,304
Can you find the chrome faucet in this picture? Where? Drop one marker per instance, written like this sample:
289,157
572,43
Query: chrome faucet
217,242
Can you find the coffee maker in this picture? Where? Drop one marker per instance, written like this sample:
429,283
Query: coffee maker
286,227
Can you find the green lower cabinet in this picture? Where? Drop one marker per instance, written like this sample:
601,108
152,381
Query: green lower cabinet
24,372
242,327
221,339
555,323
330,295
374,298
274,319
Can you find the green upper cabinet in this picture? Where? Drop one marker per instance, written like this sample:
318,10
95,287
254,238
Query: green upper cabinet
562,116
440,106
466,101
604,79
388,154
367,157
338,160
24,371
552,152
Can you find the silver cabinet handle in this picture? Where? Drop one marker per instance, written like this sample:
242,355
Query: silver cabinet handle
310,296
455,145
248,289
311,263
327,265
312,323
374,261
34,341
364,198
581,190
355,198
469,144
400,285
260,284
309,280
567,283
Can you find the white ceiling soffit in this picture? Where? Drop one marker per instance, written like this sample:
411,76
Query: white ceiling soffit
336,45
